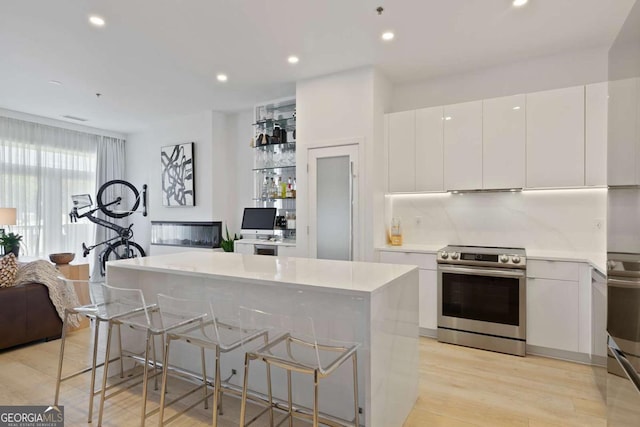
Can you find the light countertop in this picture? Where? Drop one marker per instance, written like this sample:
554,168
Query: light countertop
596,260
338,275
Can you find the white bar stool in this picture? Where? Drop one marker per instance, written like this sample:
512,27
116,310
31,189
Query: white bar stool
293,346
147,320
218,330
97,316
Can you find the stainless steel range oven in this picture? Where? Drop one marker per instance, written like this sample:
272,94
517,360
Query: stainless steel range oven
482,298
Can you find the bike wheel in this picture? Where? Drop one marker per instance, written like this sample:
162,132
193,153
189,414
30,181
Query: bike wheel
110,191
119,251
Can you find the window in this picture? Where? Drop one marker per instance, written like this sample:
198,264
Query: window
40,168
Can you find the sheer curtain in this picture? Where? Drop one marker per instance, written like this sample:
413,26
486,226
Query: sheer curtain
40,168
110,166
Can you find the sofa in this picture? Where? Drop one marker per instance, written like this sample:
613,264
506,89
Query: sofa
27,315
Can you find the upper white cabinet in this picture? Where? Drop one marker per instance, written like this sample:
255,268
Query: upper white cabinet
555,138
624,135
596,134
402,142
463,146
429,149
503,142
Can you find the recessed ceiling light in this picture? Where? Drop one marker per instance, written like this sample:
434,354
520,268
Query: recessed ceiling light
516,107
96,20
293,59
55,82
518,3
388,35
448,118
222,77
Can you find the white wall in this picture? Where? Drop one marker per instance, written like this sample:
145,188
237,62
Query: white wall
543,221
243,163
214,148
346,106
534,74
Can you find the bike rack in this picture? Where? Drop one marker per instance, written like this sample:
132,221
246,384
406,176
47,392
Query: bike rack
144,200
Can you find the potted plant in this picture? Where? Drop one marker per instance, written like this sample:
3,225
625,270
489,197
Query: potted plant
227,244
11,243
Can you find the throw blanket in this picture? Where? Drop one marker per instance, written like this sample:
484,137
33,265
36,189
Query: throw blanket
61,293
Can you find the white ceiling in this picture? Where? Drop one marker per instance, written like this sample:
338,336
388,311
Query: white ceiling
157,59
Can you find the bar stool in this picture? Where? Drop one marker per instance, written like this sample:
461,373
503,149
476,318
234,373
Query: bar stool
97,316
218,330
147,320
294,347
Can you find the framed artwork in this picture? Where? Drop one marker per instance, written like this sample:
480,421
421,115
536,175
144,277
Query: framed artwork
178,179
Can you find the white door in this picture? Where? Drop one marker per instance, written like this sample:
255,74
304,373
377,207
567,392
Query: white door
463,146
429,153
333,202
402,147
555,138
503,142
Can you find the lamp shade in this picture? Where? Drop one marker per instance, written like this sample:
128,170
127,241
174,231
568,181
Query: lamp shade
7,216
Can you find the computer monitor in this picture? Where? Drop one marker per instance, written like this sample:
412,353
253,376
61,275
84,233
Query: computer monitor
258,222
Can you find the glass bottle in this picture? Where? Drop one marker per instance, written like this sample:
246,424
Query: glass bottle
289,188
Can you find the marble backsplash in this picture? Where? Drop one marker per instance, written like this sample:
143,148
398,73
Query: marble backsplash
572,221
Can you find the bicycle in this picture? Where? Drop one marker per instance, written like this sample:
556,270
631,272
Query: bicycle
112,197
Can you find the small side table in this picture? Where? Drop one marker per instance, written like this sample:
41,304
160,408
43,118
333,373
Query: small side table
78,272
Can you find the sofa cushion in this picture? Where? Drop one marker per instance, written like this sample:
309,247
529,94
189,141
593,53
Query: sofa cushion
8,270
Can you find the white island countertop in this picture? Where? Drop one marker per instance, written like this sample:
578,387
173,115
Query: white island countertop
361,277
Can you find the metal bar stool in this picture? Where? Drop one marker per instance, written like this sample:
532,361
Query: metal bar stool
97,316
293,346
218,331
147,320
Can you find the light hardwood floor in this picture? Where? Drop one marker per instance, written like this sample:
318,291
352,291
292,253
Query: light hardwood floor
459,387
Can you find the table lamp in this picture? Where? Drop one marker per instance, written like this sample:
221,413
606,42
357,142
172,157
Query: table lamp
7,217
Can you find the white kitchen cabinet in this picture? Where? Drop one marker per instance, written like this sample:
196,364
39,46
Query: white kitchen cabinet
428,284
429,149
623,146
503,142
596,134
463,146
599,318
555,138
289,251
241,247
553,314
402,146
428,299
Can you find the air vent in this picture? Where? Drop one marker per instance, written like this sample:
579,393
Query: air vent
79,119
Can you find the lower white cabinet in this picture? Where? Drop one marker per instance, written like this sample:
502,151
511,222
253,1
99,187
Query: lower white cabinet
428,283
242,247
286,251
599,318
553,314
428,299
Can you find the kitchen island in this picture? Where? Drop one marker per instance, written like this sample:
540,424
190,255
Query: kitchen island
373,304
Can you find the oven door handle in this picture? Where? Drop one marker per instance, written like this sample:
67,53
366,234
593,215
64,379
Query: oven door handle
626,366
624,283
482,271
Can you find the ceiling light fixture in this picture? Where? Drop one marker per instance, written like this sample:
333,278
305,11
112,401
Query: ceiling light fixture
222,77
519,3
448,118
516,107
55,82
387,36
293,59
96,21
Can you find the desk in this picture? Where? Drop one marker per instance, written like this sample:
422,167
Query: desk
379,303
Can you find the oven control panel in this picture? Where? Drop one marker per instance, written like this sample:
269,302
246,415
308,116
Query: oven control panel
492,259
